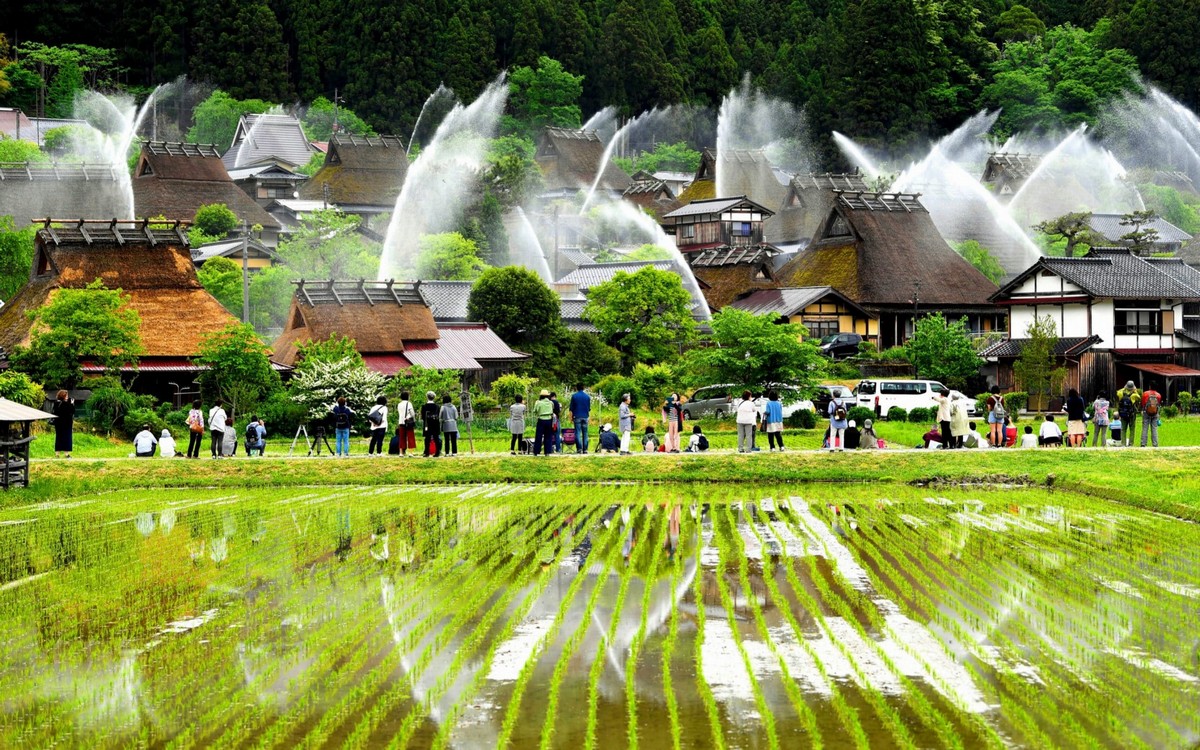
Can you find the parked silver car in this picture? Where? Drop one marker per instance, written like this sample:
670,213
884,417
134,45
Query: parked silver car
720,401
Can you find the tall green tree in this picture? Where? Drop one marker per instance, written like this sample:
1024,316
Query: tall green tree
448,257
222,278
1158,32
941,350
1074,228
977,255
236,367
319,118
517,305
635,73
238,45
93,324
16,256
546,94
215,120
647,314
754,351
1036,370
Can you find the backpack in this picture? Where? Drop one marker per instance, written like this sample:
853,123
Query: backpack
375,417
840,414
1152,403
341,419
999,412
252,433
1125,406
703,443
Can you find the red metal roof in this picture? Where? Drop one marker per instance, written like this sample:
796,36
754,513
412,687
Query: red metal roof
387,364
1167,371
152,364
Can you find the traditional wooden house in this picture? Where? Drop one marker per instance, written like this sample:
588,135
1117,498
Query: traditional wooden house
1170,239
393,328
30,192
1119,317
268,181
174,180
149,263
362,175
651,194
807,202
570,161
883,252
261,139
703,186
258,255
822,310
1005,173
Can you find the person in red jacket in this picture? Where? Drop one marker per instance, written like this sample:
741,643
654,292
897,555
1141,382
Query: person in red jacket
1151,403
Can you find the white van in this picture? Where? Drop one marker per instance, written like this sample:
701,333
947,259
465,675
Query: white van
907,394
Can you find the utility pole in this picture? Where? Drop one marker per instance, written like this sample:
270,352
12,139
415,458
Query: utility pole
245,273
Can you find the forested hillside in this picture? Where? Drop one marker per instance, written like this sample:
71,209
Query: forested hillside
880,70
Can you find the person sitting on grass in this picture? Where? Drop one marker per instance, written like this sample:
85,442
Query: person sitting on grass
1010,433
973,439
144,442
867,439
609,442
1114,430
1049,434
166,444
852,436
932,438
698,443
649,440
1029,440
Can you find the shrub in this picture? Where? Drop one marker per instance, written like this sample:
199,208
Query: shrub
1170,411
802,419
282,415
612,386
895,354
860,414
506,388
1016,401
921,414
19,387
897,414
843,370
109,404
1184,399
140,415
484,404
653,382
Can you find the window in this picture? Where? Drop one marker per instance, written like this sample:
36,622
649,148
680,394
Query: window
902,388
838,227
687,231
1137,318
818,328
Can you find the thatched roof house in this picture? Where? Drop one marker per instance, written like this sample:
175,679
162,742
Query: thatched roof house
570,159
823,310
883,252
807,202
262,138
30,191
151,265
360,173
175,179
1005,173
392,327
651,194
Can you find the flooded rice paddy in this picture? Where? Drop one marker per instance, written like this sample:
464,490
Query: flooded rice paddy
605,616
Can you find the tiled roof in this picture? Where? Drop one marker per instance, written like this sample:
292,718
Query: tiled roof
1190,330
477,340
592,274
713,206
1065,347
447,299
261,137
1117,272
1178,269
571,311
789,301
231,248
1110,227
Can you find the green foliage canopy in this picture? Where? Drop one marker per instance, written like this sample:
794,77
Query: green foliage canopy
546,94
983,261
222,278
16,256
448,257
236,367
1035,369
215,120
943,351
647,314
753,352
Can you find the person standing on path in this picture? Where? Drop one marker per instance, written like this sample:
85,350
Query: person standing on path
448,416
1100,420
943,417
624,423
747,418
1129,403
516,425
1076,429
64,424
342,417
543,414
377,418
580,409
406,424
773,420
432,431
995,417
959,424
195,424
672,416
1151,403
557,426
216,427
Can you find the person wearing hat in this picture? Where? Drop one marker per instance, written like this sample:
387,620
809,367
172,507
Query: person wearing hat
543,414
867,439
852,437
1129,403
166,444
609,442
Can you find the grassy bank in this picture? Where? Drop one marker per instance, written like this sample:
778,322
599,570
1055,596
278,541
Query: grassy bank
1165,479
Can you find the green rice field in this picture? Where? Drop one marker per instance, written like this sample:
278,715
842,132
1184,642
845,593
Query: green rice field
598,616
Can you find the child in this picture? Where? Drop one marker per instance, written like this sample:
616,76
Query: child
516,425
1050,434
1010,433
698,443
650,440
448,417
1029,440
1114,430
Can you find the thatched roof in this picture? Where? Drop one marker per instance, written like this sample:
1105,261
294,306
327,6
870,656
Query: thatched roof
723,284
30,191
381,316
153,266
360,171
750,173
570,158
807,202
176,179
651,194
878,249
1005,167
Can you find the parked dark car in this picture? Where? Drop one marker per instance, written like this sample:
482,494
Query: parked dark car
825,393
840,345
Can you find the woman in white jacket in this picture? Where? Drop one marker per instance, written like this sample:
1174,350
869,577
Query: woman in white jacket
747,418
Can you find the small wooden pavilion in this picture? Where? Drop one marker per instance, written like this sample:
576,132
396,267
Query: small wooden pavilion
16,433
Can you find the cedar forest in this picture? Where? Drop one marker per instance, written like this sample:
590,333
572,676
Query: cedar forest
885,72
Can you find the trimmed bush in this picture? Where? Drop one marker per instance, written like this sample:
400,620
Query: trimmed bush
921,414
1185,400
612,386
1170,411
897,414
506,388
802,419
860,414
1016,401
138,416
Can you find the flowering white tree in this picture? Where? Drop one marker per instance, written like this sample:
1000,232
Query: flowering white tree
318,386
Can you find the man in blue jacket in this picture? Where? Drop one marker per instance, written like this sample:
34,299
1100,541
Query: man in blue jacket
581,410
